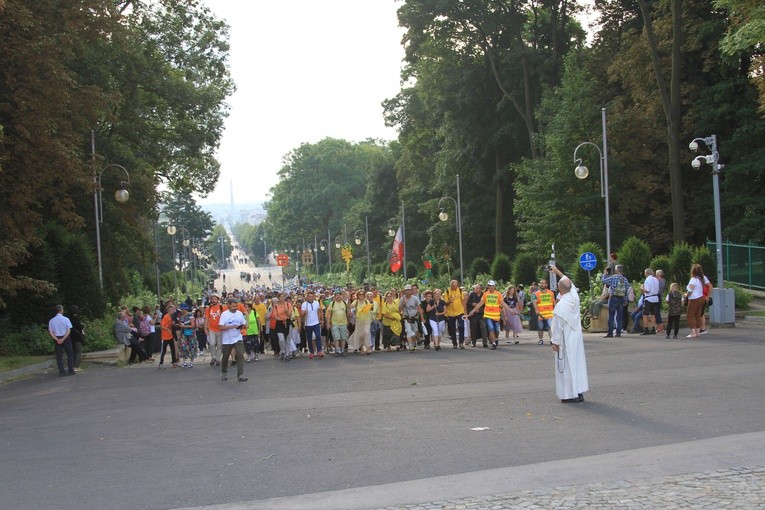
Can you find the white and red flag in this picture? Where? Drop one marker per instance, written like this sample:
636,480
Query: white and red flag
397,253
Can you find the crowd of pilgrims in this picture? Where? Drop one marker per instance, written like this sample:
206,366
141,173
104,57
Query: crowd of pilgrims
318,321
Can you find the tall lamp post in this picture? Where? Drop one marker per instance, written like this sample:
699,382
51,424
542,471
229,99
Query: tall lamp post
357,239
121,195
582,172
325,246
171,230
265,253
443,216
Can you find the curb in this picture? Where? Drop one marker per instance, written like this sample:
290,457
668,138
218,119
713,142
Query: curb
29,369
754,319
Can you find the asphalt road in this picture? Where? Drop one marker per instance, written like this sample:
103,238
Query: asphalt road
142,438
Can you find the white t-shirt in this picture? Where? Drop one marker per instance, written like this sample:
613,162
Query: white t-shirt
228,318
651,286
311,312
698,289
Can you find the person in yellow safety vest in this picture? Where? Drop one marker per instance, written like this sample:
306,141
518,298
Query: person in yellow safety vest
543,301
492,304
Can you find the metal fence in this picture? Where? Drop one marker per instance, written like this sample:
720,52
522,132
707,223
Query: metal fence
743,264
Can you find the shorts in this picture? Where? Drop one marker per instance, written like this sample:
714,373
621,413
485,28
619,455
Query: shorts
410,328
339,332
492,325
650,308
543,324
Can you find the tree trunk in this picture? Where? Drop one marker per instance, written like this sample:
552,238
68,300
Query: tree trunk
500,212
671,103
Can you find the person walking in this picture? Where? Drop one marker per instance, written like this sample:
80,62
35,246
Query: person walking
60,329
230,324
492,305
617,289
435,309
512,313
166,334
337,322
455,311
543,301
212,318
253,334
310,310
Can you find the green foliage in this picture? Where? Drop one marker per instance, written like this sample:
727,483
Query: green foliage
681,258
634,255
664,262
702,255
480,265
25,341
742,296
99,334
501,267
524,269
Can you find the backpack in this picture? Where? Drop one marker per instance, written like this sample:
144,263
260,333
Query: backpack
620,290
143,328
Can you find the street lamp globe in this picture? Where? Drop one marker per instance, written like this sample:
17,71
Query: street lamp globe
581,172
357,241
391,232
322,247
443,215
186,243
171,230
337,244
121,195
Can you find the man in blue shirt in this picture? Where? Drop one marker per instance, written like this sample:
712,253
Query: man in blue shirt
617,288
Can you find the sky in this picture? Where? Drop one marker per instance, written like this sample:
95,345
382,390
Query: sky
304,70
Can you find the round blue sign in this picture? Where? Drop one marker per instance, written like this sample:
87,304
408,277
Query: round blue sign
588,261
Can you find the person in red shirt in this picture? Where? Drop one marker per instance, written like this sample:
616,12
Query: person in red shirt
166,326
212,318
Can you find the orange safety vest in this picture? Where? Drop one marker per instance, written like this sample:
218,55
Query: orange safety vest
545,303
492,307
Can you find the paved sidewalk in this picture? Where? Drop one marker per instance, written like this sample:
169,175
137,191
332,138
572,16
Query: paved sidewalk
742,489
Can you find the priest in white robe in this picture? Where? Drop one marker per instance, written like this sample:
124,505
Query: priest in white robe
568,343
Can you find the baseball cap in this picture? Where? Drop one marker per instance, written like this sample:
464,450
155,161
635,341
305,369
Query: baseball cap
492,282
407,287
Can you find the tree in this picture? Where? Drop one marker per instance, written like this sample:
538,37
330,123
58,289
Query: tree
745,37
671,101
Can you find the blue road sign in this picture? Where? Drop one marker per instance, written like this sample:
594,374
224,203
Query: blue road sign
588,261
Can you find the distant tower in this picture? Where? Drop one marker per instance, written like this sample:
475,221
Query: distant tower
231,184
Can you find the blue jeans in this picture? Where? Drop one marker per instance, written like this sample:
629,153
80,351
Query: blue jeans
615,311
314,330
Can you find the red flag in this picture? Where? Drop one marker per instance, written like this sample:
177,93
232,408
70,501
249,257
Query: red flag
397,253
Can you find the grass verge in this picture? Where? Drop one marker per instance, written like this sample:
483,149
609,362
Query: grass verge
13,362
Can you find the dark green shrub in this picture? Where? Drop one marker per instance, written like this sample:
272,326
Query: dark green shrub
635,256
25,341
524,269
502,267
478,266
99,334
681,258
708,261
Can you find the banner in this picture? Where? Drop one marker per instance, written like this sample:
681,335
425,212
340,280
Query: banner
397,253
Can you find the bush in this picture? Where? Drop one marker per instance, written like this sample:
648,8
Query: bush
501,267
25,341
681,258
99,334
742,297
478,266
708,261
635,256
524,269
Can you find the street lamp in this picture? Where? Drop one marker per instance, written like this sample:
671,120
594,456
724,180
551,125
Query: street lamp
443,216
121,196
357,239
324,245
265,254
582,172
171,230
